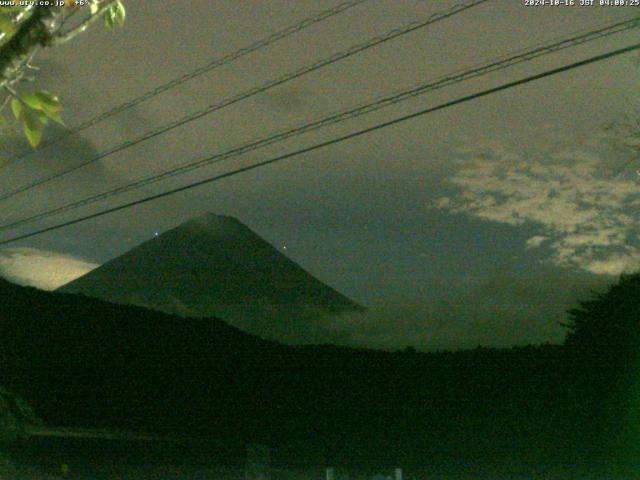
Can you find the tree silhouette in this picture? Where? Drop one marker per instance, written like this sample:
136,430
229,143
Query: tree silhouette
607,327
603,348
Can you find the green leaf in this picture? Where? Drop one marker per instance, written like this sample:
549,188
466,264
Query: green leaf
43,117
7,25
32,100
43,102
120,13
16,108
32,127
48,101
115,15
54,115
3,121
109,20
34,135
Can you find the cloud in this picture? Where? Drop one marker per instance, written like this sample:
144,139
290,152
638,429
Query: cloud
40,268
498,309
585,216
536,241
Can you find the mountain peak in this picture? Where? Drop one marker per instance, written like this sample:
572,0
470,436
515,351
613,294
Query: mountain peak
215,266
215,217
210,219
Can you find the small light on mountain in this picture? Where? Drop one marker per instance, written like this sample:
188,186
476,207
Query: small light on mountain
155,234
284,247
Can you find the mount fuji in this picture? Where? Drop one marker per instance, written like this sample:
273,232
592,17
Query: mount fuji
215,266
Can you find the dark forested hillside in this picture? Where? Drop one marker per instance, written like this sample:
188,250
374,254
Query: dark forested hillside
84,362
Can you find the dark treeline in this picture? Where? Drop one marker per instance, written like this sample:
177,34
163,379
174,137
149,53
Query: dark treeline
83,362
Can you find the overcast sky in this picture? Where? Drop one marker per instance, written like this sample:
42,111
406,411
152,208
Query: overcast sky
478,224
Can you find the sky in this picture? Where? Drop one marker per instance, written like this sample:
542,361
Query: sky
480,224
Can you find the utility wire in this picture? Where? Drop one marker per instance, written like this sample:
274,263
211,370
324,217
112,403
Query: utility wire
212,65
333,141
458,8
383,102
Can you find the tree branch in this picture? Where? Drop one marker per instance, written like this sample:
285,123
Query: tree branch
78,29
33,32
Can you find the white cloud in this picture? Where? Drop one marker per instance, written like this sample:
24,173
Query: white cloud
586,215
615,263
41,268
536,241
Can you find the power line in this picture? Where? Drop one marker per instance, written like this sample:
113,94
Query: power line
212,65
458,8
333,141
502,63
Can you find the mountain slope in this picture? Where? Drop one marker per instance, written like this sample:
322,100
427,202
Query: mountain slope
80,360
216,266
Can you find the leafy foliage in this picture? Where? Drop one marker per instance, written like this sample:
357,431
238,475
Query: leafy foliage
115,16
603,353
10,17
608,325
34,110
